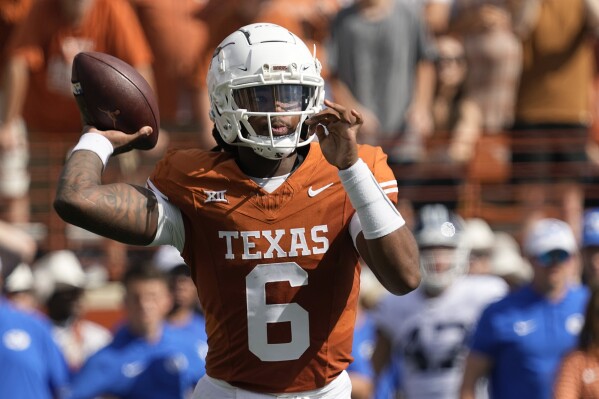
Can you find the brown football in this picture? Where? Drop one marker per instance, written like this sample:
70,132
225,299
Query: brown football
112,95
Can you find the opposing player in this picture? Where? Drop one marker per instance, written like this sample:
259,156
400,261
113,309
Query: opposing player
272,225
437,318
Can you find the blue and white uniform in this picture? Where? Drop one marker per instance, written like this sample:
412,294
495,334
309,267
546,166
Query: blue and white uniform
31,365
363,346
131,367
195,331
525,335
430,333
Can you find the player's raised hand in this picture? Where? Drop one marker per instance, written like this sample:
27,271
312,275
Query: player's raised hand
121,142
337,128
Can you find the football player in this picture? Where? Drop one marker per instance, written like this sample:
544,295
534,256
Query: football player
271,224
435,319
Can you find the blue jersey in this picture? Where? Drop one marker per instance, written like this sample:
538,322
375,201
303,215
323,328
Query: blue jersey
526,336
131,367
363,346
31,365
388,383
194,331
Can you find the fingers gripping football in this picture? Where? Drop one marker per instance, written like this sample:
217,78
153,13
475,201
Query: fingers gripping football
336,129
122,142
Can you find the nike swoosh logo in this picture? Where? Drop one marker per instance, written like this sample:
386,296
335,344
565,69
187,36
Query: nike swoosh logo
314,193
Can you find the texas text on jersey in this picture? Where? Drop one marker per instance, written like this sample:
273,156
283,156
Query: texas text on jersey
250,273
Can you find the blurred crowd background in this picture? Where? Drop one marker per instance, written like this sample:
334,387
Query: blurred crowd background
487,107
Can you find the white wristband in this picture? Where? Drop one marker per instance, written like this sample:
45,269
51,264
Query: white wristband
378,215
97,144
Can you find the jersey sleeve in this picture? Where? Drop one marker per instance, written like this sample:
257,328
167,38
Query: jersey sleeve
376,160
170,230
93,379
167,177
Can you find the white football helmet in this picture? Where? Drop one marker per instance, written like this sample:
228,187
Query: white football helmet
444,254
263,70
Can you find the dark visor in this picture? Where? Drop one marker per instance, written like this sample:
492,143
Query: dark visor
274,98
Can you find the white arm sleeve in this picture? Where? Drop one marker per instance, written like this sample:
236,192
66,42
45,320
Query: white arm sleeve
355,227
170,229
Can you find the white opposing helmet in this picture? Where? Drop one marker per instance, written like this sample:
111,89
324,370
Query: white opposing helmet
444,254
252,69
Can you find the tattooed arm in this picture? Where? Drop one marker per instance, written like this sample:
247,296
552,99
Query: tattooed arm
120,211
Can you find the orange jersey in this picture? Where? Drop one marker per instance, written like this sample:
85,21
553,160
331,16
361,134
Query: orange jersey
48,45
277,274
177,39
577,377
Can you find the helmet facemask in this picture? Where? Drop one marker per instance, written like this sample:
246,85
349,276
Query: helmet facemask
441,266
273,116
444,254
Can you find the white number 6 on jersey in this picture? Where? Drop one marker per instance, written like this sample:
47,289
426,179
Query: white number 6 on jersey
259,313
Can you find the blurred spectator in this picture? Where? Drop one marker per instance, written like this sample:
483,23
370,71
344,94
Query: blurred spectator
178,38
16,246
11,14
521,339
494,56
309,19
365,383
437,14
220,19
593,145
60,282
19,289
32,366
360,370
486,110
480,238
590,247
553,112
577,376
429,326
380,58
186,313
388,383
507,261
43,48
17,250
438,168
147,358
38,70
14,177
451,71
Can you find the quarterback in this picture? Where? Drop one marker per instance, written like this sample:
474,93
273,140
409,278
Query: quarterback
272,222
